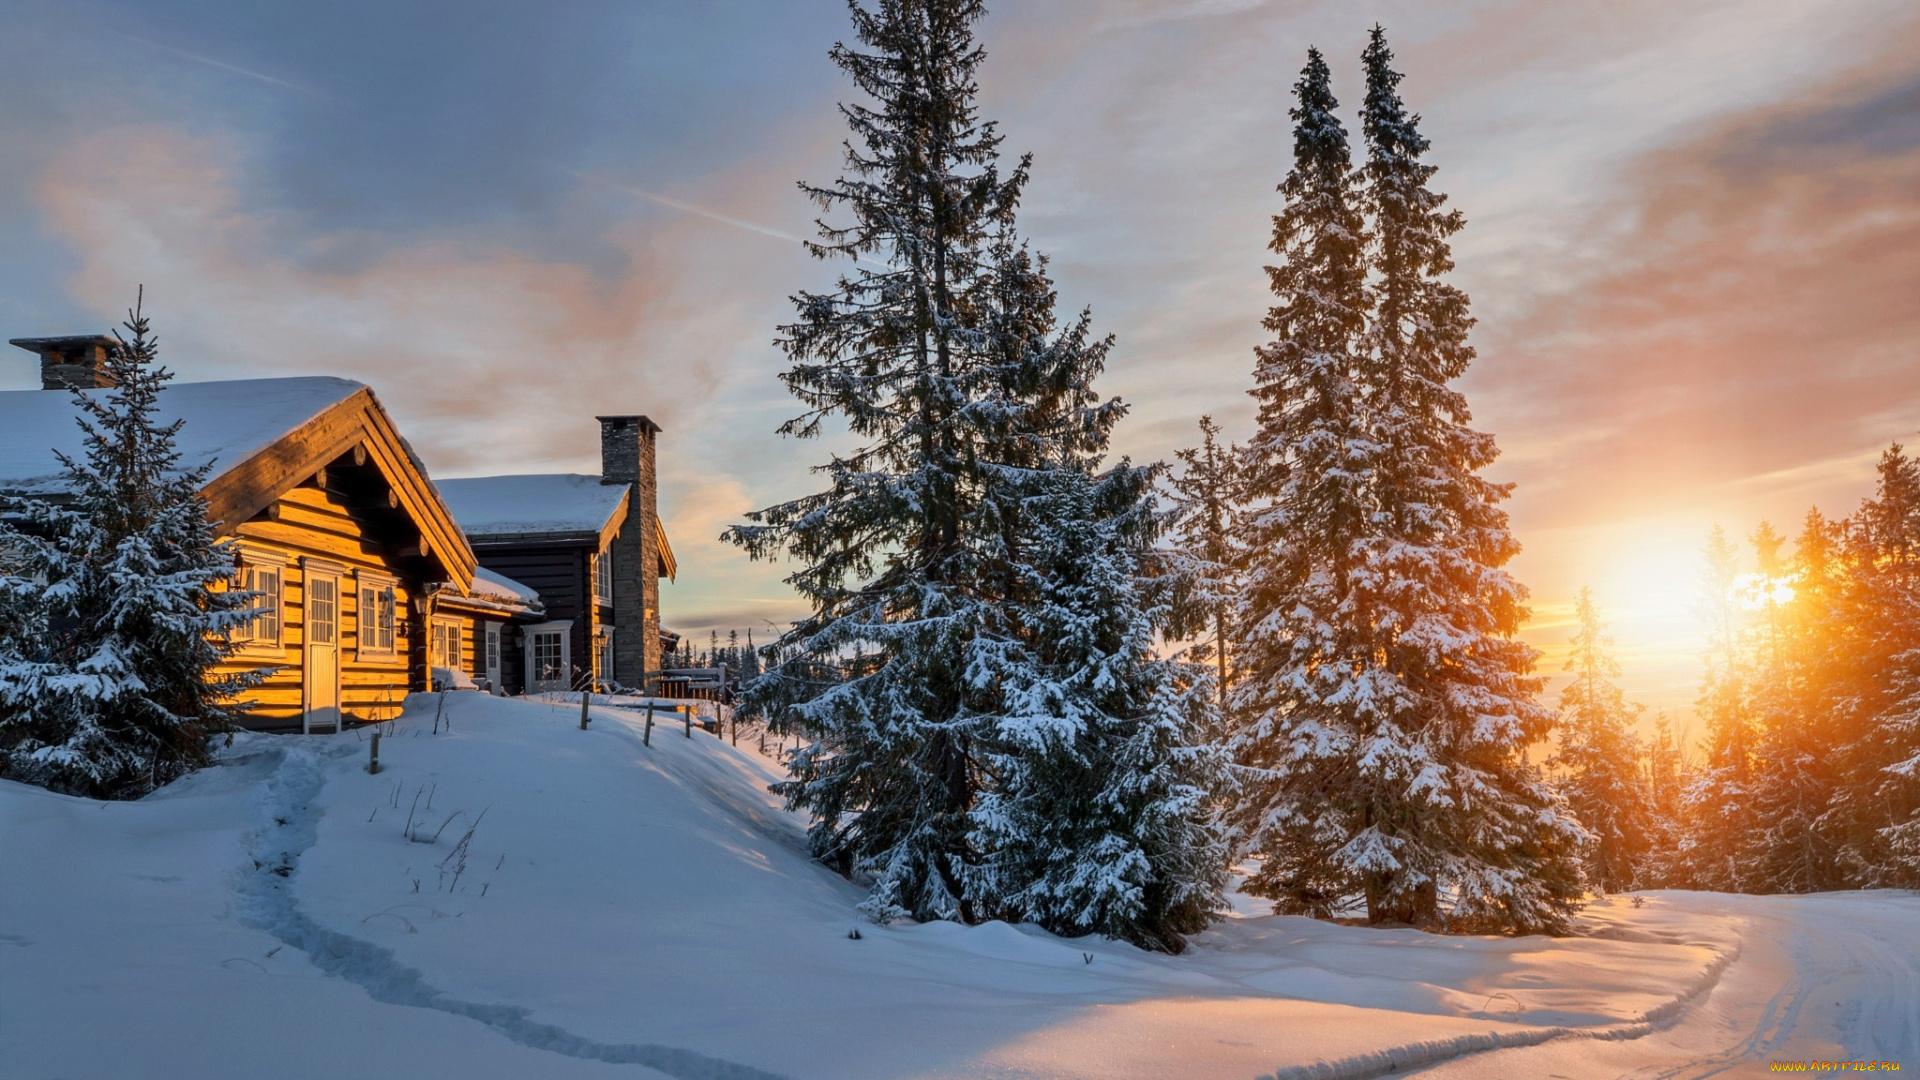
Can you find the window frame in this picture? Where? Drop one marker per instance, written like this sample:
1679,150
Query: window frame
562,630
600,570
384,590
246,638
455,627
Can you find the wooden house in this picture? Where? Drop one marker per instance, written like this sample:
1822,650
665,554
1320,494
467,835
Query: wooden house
369,584
594,549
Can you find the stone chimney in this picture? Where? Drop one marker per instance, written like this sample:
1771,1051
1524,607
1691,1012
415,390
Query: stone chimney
627,457
71,363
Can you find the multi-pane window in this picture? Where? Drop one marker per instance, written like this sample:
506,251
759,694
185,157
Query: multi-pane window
323,610
444,644
549,658
603,577
264,628
377,621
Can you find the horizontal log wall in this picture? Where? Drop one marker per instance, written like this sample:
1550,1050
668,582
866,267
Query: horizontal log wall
314,522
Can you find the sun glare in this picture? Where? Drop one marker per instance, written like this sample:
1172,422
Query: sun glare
1755,592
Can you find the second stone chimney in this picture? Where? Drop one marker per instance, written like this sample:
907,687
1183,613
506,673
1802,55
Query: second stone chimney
71,363
627,457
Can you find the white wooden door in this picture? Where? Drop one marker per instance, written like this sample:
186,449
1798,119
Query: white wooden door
321,685
548,661
492,660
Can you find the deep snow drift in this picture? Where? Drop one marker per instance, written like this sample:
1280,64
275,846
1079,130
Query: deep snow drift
573,903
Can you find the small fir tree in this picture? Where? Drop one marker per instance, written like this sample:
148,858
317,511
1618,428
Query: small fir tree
114,617
1202,557
1098,817
1718,806
1666,781
1599,759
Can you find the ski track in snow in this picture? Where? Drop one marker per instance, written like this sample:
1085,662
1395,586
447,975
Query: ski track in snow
1397,1059
290,826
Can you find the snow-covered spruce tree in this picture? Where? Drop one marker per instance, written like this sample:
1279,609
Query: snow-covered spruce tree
1599,759
1386,719
1098,813
1877,809
1202,558
115,623
888,765
1304,677
1666,779
1796,846
1485,825
1718,804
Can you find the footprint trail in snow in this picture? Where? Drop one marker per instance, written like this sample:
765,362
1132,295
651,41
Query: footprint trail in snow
289,828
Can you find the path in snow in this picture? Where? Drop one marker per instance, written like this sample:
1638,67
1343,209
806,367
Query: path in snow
1834,977
267,904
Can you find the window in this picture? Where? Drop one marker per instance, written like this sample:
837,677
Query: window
549,665
444,644
603,577
262,573
377,619
323,610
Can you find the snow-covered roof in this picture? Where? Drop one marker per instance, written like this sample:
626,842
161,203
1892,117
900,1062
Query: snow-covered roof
226,423
532,504
497,586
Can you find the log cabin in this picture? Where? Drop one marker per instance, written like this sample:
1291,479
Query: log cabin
595,551
368,585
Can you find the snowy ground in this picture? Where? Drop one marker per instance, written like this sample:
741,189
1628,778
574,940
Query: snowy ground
634,911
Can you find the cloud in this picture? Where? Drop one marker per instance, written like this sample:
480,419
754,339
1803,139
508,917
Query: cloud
491,359
1756,332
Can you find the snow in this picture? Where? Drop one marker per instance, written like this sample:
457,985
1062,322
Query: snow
227,422
630,910
531,503
497,586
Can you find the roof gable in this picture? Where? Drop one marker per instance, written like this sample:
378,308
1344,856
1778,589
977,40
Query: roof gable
262,437
225,423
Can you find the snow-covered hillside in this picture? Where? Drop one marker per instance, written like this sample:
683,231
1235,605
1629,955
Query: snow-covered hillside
595,907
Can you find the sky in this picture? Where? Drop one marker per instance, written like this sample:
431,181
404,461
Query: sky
1693,238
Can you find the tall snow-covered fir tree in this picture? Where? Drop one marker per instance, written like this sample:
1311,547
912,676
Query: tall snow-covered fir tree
1795,846
1485,824
1098,813
1384,705
890,768
1599,758
112,615
1302,651
957,670
1878,810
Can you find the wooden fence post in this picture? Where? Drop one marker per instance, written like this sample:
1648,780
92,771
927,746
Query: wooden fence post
647,739
373,754
687,711
586,697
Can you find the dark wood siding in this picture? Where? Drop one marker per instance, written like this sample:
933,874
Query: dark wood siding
558,571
